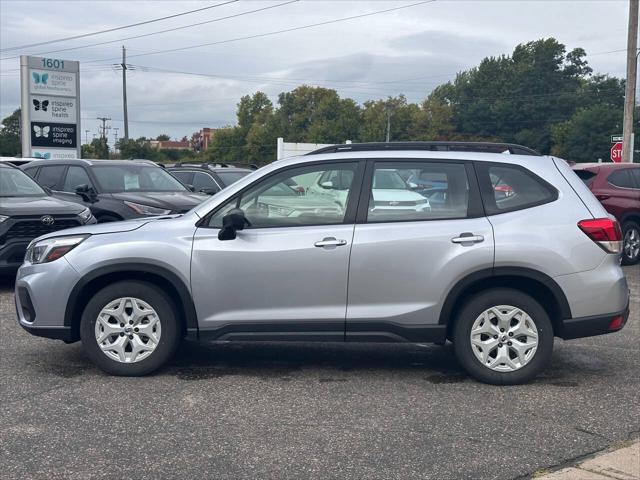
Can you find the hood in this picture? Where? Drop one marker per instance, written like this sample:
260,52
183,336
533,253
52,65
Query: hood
179,201
37,206
109,227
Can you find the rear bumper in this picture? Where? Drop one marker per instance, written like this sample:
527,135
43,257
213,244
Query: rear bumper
592,326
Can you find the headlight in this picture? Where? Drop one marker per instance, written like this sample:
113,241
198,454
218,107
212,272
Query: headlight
146,209
3,218
85,215
51,249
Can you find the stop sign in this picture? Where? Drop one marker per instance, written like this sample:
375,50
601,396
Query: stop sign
616,152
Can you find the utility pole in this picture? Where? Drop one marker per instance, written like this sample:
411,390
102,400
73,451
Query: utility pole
630,86
115,136
124,93
388,124
103,129
86,136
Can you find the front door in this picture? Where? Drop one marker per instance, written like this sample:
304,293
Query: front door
410,248
287,272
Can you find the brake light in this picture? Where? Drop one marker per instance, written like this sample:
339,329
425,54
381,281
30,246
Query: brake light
605,232
617,323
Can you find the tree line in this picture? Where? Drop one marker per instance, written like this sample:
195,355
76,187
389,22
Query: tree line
540,96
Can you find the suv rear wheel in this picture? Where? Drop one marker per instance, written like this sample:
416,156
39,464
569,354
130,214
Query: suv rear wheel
503,337
129,328
630,243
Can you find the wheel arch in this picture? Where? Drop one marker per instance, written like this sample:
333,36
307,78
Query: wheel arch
535,283
156,275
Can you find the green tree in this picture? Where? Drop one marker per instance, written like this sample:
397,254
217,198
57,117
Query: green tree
10,145
98,148
585,137
163,137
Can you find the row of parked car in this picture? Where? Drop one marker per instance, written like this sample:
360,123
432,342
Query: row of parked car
43,196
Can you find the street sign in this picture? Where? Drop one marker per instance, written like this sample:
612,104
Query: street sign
616,138
50,122
616,152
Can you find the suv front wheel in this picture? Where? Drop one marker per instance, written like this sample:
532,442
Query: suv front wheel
503,337
128,328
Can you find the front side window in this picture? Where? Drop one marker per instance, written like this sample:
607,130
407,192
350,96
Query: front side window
76,176
50,176
184,177
285,199
203,181
231,177
420,197
16,183
622,178
510,187
136,178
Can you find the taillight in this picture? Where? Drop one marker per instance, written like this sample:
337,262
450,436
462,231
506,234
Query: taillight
605,232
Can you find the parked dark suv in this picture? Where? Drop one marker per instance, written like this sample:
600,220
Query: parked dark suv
617,186
208,178
28,211
115,189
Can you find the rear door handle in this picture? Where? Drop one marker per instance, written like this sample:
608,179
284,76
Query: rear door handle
330,242
468,238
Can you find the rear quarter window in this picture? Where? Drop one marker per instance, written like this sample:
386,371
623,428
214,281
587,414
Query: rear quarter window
586,176
506,188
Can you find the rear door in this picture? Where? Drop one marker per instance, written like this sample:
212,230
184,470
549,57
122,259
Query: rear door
407,255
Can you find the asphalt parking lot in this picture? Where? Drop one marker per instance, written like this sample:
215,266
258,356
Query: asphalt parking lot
309,410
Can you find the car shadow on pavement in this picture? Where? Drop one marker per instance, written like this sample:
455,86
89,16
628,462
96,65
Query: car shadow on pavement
283,360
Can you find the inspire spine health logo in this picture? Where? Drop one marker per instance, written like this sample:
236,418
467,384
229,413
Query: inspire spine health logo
40,78
41,105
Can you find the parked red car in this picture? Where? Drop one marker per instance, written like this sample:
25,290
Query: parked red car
617,186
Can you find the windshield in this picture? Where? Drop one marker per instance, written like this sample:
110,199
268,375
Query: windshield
16,183
231,177
136,178
388,180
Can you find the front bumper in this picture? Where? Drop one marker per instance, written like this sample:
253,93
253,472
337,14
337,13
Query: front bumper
12,255
41,295
592,326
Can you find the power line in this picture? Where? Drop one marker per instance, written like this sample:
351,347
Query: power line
84,35
267,34
160,31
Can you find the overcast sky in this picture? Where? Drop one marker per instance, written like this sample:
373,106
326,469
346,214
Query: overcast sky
406,51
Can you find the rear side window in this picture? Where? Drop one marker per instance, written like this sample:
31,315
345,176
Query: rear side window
431,191
506,188
51,176
621,178
635,172
586,176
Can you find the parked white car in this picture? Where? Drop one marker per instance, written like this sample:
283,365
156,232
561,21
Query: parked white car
389,190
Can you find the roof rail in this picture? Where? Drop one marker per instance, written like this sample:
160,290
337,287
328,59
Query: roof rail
438,146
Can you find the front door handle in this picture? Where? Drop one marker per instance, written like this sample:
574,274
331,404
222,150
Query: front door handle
330,242
468,238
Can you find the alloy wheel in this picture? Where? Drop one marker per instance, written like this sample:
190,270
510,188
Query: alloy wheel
128,330
631,244
504,338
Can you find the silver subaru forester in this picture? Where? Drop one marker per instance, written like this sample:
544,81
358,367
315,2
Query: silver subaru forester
414,242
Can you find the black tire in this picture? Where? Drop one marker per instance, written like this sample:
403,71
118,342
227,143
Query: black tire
490,298
627,228
156,298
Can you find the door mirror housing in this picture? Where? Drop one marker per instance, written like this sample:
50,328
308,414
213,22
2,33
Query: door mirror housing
87,193
328,185
232,222
191,187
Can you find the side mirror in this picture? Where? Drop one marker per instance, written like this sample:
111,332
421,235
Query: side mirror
87,193
412,185
328,185
191,187
232,222
209,191
48,190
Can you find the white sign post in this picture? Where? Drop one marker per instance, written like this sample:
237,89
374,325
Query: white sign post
50,122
